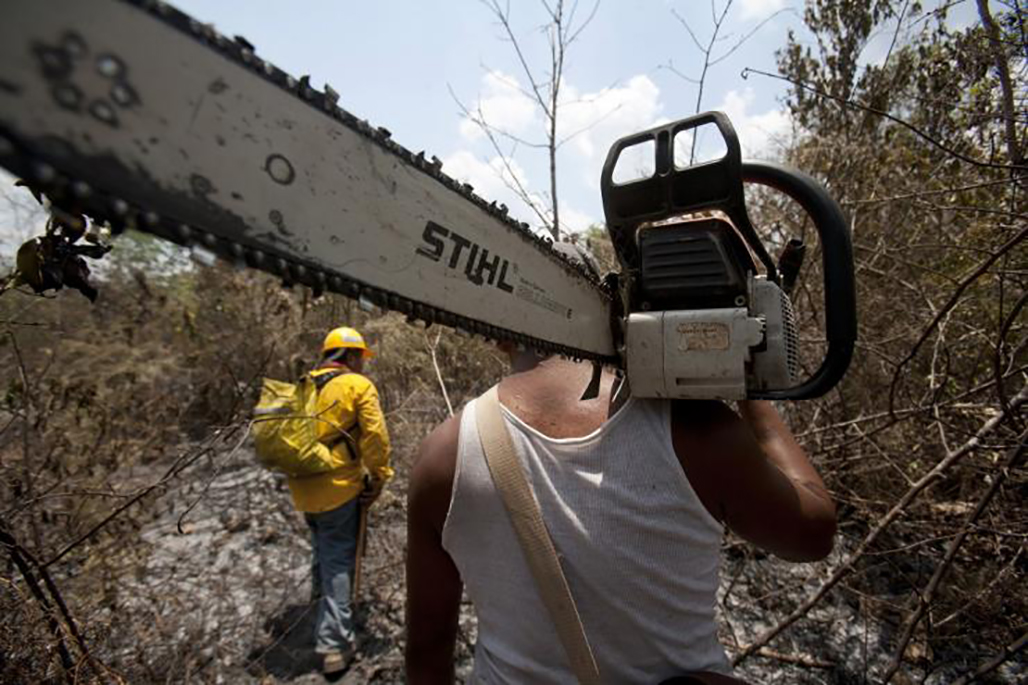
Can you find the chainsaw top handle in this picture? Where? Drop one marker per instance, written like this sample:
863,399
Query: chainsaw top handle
675,189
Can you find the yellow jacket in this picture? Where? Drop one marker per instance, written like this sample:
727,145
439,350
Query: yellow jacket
348,401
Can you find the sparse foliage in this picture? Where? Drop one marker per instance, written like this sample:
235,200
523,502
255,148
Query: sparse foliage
565,23
923,444
122,423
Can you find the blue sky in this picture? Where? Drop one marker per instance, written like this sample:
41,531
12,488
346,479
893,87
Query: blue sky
395,63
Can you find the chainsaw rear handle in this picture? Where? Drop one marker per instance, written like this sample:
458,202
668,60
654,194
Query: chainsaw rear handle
837,265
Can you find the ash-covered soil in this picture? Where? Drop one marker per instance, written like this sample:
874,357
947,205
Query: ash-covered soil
224,585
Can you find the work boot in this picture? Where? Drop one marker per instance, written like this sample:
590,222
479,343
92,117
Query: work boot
336,662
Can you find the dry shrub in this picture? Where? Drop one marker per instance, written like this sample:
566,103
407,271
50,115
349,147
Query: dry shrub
99,399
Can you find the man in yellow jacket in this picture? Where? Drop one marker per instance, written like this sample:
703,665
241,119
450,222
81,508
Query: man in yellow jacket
331,501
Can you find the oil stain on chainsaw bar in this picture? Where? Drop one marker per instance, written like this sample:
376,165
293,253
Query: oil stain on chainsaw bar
65,64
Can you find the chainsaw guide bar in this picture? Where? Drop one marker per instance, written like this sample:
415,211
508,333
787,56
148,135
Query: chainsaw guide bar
131,112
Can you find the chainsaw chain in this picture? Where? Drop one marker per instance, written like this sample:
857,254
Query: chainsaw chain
77,196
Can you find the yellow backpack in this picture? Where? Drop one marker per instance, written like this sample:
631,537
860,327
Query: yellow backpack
285,428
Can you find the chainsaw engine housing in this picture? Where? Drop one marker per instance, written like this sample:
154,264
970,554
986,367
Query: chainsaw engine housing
719,353
704,309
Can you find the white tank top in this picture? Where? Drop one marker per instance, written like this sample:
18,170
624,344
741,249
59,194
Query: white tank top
639,550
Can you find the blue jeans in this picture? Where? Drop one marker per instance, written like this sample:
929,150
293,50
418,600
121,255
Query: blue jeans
334,546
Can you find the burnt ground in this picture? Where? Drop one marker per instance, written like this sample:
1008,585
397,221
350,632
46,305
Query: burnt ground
226,599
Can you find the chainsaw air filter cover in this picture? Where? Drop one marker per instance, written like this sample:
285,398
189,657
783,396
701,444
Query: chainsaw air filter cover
699,263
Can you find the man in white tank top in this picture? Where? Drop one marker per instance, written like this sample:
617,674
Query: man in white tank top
634,497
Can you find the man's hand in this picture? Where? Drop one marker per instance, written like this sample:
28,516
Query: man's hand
372,489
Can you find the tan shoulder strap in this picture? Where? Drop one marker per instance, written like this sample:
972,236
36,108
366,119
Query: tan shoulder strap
523,509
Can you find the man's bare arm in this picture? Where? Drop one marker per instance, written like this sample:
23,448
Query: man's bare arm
433,583
750,472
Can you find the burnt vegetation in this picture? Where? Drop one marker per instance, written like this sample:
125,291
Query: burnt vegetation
141,542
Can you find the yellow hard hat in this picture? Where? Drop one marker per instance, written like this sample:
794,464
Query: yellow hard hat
344,336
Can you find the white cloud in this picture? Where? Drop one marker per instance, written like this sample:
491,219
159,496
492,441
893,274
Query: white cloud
492,180
758,9
588,123
574,220
597,119
758,134
503,105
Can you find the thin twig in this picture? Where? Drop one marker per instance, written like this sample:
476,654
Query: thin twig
925,598
180,464
965,282
846,567
439,374
996,661
16,553
905,124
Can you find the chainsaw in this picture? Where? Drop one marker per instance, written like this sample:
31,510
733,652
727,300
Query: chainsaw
136,115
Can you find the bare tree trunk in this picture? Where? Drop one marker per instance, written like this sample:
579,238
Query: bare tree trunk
562,31
1006,87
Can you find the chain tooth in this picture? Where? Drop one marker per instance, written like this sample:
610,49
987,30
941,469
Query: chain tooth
243,51
304,88
331,100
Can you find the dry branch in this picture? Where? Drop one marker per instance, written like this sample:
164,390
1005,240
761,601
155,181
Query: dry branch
928,594
847,566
